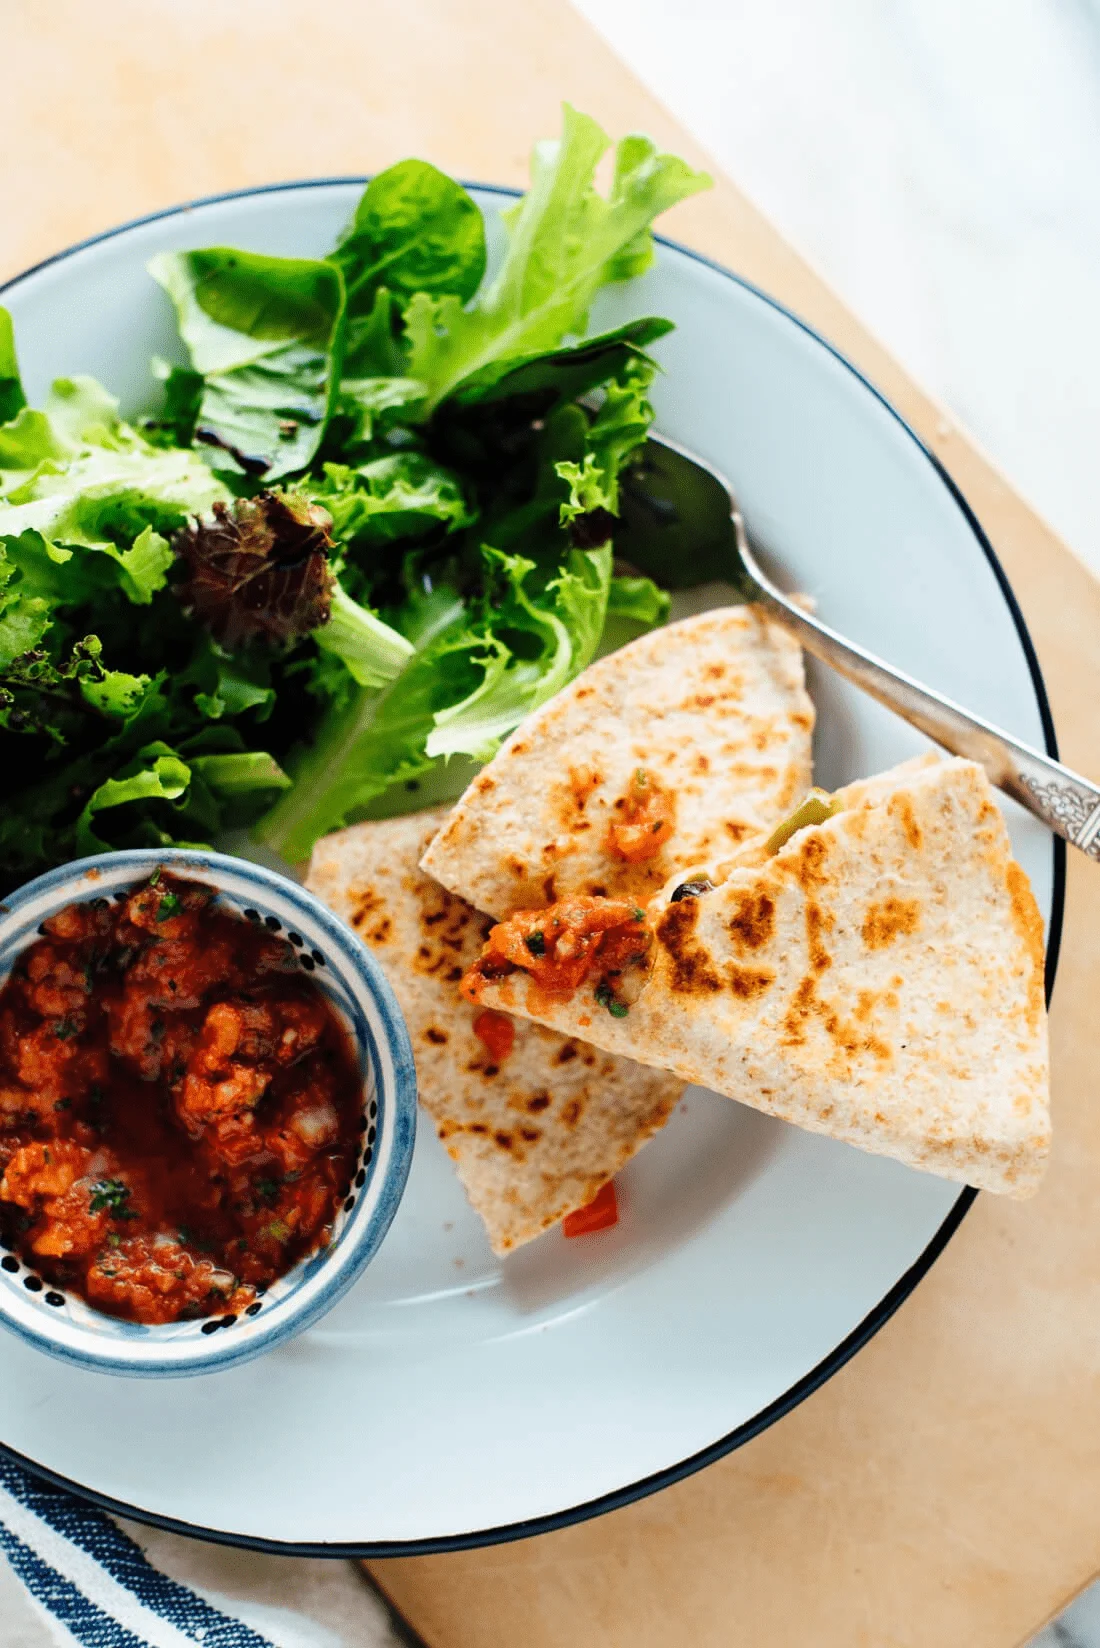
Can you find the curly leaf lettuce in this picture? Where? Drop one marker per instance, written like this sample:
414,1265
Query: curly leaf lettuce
76,480
393,497
566,622
566,240
155,774
266,334
473,677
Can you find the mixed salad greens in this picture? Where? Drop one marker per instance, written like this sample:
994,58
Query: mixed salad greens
370,528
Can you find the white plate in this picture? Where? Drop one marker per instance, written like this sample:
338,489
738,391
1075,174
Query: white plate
450,1397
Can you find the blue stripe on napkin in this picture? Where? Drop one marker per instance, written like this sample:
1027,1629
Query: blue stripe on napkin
82,1619
87,1616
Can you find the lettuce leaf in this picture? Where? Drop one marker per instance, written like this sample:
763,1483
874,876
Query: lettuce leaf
155,774
369,741
239,772
77,479
566,373
373,344
44,697
477,671
393,497
12,398
371,652
414,230
229,683
266,333
566,621
639,600
566,240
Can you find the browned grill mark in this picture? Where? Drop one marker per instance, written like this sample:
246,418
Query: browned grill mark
749,982
806,1005
890,919
753,922
818,923
1029,926
902,808
692,972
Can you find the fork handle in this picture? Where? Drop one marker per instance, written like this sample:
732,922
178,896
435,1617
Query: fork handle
1065,802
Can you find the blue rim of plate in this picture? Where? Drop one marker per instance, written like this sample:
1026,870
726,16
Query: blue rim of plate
902,1288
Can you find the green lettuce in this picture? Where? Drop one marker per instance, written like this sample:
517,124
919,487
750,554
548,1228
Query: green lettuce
76,479
266,334
372,653
566,240
470,458
398,496
12,398
414,230
476,671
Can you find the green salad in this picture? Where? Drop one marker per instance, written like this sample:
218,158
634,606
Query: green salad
369,528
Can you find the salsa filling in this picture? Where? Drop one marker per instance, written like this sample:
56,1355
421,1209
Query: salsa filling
563,945
645,822
179,1105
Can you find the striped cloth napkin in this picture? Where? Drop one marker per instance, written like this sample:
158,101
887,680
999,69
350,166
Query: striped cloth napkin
91,1584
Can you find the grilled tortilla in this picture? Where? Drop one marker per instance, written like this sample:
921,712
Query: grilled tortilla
879,979
710,715
533,1135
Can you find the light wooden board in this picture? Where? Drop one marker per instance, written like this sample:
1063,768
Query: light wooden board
945,1487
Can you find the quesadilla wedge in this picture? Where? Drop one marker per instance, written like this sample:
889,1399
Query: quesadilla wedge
535,1122
878,977
664,755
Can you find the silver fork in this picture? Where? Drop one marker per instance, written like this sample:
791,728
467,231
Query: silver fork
674,489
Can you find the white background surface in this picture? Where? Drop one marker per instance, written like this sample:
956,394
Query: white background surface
939,162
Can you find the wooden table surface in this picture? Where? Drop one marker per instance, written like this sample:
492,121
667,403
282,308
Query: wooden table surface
944,1488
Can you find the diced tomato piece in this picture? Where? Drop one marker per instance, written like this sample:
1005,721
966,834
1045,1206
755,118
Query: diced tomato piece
599,1214
561,945
647,812
498,1033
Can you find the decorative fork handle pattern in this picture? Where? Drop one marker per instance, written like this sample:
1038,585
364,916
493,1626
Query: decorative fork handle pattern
1066,803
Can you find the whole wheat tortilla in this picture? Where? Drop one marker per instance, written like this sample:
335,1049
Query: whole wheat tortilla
879,979
533,1138
714,707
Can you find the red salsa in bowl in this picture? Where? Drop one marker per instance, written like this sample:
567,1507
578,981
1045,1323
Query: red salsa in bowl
179,1105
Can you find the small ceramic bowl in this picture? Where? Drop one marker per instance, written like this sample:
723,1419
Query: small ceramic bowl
63,1323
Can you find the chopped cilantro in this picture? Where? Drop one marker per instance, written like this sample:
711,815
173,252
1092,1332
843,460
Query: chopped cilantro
267,1190
536,944
277,1230
111,1196
155,877
618,1009
114,1239
169,906
637,915
65,1029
